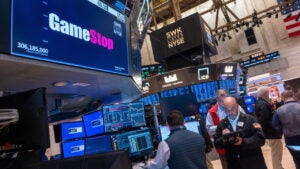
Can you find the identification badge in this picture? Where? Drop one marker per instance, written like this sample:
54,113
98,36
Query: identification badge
240,124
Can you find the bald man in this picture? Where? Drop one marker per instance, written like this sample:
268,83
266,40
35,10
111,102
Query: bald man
243,150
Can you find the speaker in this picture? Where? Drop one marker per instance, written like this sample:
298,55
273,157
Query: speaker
251,39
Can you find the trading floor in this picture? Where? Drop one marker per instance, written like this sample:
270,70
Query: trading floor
287,160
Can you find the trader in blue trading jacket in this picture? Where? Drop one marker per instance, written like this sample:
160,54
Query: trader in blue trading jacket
242,138
184,149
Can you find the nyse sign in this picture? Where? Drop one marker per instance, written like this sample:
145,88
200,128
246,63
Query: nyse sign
175,37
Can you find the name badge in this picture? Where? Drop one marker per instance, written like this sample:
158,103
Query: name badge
240,124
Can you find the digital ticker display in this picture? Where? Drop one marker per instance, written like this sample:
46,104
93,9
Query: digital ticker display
83,33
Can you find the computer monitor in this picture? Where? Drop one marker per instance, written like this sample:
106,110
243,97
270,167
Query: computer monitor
191,126
186,103
73,148
138,143
250,108
249,100
123,116
31,131
93,123
72,130
98,144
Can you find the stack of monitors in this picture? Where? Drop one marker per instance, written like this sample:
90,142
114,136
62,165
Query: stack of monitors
249,101
72,134
205,91
92,135
138,143
191,125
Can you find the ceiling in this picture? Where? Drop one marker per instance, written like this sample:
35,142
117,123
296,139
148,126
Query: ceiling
21,74
163,9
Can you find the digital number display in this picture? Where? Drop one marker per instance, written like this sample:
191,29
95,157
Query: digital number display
87,34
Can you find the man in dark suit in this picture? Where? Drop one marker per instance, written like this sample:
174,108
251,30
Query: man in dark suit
242,149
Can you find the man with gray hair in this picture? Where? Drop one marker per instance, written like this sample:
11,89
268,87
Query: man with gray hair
264,113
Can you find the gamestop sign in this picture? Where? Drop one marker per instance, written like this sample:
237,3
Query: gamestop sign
82,33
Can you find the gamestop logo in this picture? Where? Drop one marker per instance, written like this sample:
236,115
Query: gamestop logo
64,27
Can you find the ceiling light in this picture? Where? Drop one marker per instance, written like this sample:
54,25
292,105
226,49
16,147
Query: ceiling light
269,14
288,16
60,83
229,36
298,17
81,84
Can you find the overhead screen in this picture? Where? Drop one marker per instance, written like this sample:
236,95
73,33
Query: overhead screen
83,33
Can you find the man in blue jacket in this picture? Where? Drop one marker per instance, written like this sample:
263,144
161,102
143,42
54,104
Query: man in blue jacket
287,119
184,149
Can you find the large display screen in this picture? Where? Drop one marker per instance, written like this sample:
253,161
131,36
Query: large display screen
123,116
83,33
205,91
93,123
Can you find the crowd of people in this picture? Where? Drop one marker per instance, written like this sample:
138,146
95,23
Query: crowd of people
237,136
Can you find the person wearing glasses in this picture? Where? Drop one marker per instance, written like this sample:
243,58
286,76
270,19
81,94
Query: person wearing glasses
241,136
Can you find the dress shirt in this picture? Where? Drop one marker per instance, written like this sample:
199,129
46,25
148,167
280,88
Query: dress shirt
161,159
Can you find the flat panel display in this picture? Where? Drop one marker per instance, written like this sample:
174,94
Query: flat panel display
187,104
250,108
229,85
72,130
123,116
249,100
31,130
82,33
73,148
93,123
175,92
138,142
99,144
151,99
204,91
191,126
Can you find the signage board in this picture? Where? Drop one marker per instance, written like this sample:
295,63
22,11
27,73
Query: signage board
82,33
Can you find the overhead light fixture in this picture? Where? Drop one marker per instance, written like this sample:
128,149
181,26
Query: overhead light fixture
298,17
60,83
247,24
288,16
269,14
229,37
81,84
276,14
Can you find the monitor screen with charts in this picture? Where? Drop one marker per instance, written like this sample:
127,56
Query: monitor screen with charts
138,143
123,116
